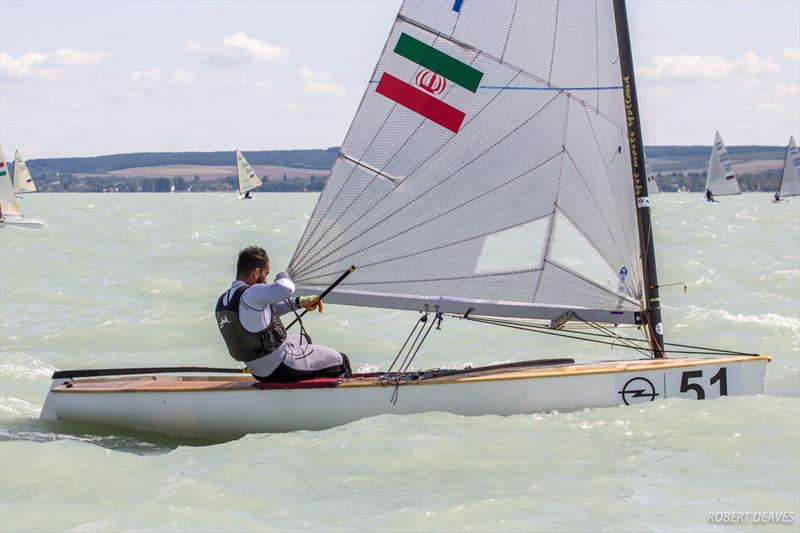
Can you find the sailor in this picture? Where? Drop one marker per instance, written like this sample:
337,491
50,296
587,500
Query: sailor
777,196
709,196
247,196
248,317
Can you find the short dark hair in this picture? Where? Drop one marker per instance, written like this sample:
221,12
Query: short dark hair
251,258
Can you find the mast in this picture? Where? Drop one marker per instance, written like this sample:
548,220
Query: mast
654,327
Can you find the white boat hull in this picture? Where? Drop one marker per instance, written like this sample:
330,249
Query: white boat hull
30,223
229,407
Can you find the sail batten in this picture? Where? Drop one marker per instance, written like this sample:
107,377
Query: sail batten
528,199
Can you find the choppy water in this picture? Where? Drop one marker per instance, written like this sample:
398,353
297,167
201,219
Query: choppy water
130,280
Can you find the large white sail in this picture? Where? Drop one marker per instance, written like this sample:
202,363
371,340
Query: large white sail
487,169
790,178
8,201
23,181
248,179
721,180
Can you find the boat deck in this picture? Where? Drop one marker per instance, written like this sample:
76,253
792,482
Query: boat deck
513,371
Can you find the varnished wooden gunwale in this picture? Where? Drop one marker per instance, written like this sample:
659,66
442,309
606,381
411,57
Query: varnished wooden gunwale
247,383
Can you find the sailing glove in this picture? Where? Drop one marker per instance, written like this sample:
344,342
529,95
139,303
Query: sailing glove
309,303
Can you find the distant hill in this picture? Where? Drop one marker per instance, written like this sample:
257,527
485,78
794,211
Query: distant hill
105,164
676,168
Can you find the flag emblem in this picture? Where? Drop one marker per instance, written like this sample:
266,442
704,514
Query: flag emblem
437,69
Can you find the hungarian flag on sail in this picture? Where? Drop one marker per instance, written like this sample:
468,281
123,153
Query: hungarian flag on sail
3,169
437,69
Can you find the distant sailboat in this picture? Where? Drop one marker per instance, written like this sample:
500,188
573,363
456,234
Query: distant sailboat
10,213
652,184
790,178
23,181
721,180
248,179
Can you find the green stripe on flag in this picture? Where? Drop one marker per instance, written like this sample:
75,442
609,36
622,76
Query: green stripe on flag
2,173
439,62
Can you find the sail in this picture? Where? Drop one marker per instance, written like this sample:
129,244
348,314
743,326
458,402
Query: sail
248,179
721,179
652,184
8,201
23,181
487,169
790,178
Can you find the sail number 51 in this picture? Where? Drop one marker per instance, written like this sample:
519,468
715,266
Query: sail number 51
720,377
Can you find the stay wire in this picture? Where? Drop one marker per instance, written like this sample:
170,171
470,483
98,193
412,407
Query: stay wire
582,336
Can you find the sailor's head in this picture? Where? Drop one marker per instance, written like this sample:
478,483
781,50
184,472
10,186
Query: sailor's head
253,265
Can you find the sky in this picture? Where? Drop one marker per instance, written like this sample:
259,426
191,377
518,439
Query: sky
103,77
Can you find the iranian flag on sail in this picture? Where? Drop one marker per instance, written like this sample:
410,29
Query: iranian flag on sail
437,71
3,170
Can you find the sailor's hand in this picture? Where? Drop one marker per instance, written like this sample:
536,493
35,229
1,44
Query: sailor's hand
310,302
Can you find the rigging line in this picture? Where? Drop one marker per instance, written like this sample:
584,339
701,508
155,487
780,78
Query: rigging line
553,49
411,174
552,332
508,34
612,334
420,320
438,317
310,269
439,183
535,329
403,370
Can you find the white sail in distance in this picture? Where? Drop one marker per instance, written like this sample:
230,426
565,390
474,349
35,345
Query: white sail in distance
790,177
248,179
23,181
652,184
487,169
8,200
721,180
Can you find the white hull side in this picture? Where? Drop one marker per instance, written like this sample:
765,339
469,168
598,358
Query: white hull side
225,414
30,223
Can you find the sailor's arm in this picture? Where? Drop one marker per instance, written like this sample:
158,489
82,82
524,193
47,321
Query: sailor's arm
262,295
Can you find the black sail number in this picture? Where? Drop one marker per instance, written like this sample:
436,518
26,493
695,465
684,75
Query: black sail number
686,386
720,377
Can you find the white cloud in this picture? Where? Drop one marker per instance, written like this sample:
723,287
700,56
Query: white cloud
137,83
238,49
290,107
256,86
319,83
791,54
705,68
37,65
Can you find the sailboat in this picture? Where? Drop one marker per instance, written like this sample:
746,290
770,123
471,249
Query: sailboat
10,213
493,173
652,184
790,177
720,180
248,179
23,181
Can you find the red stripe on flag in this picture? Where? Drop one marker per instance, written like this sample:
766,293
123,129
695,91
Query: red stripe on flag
732,176
420,102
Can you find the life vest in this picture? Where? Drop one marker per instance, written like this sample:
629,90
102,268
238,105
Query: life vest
244,345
